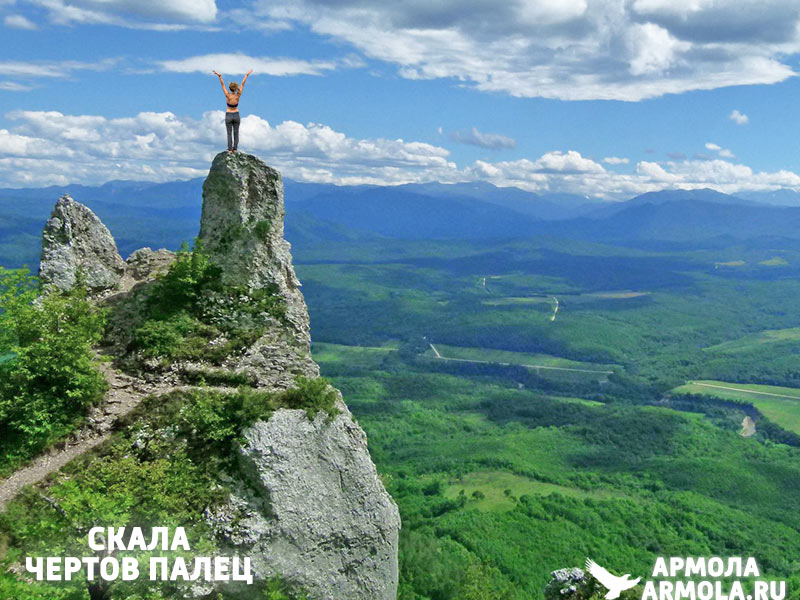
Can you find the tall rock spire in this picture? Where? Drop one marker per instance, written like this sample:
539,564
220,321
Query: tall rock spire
242,230
321,518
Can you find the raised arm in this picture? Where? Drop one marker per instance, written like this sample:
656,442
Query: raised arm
245,78
222,83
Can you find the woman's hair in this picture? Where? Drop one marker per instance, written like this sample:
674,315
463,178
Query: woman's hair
234,87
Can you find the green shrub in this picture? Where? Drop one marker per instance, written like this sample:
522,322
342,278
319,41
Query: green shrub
277,589
49,377
220,377
313,395
189,307
212,421
181,286
262,229
167,337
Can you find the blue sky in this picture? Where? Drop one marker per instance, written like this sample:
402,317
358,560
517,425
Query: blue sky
605,98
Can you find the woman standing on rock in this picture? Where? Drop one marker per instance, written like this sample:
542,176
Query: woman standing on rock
232,115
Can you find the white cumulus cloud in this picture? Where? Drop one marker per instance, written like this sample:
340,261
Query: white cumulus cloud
238,64
51,148
566,49
739,118
653,50
721,152
18,22
163,146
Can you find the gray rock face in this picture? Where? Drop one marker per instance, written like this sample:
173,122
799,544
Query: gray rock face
312,509
566,584
76,241
322,520
276,358
146,263
242,230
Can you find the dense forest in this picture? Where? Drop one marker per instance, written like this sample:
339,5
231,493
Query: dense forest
522,400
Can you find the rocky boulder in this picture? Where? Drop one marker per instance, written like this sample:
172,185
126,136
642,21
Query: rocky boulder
77,245
146,263
568,584
319,517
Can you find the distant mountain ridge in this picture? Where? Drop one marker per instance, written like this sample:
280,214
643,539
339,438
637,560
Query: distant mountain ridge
664,196
398,213
683,221
165,214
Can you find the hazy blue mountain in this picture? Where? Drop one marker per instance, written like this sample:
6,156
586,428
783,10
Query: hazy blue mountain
298,191
303,228
547,206
682,221
172,194
661,197
395,212
164,215
782,197
702,195
541,206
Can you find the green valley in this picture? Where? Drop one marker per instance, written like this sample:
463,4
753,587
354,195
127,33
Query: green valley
533,401
496,463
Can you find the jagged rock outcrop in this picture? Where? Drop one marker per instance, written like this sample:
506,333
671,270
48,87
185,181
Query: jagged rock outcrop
307,503
242,231
145,263
77,244
311,507
320,516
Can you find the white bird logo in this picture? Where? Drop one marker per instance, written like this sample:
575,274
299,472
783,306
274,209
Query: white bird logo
615,585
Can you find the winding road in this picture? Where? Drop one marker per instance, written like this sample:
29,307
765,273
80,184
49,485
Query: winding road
733,389
505,364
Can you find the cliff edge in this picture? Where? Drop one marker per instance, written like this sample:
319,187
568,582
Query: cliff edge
321,515
304,499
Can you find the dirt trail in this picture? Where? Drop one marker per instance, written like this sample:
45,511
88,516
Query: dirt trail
124,394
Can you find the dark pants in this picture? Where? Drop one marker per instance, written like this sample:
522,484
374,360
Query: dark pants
232,124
